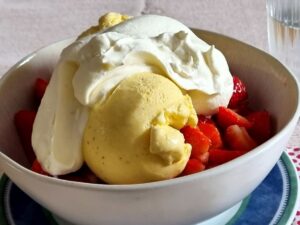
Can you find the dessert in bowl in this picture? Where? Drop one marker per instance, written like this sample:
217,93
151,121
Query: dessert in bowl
182,200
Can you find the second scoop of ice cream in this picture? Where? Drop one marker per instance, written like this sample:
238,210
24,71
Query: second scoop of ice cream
134,136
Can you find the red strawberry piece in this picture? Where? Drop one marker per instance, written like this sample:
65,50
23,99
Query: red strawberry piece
40,88
220,156
238,138
24,121
243,109
82,175
205,119
200,143
204,158
36,167
261,129
193,166
227,117
239,93
210,130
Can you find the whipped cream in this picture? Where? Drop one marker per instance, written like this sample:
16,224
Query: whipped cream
90,68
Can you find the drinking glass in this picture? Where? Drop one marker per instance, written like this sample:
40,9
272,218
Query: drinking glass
284,32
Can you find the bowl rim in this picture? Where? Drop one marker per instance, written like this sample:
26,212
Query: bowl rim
174,181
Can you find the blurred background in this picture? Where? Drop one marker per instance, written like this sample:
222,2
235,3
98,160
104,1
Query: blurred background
26,25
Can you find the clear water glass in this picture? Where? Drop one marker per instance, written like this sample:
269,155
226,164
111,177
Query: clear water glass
284,32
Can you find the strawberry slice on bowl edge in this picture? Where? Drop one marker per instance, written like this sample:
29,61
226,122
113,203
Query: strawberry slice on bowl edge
239,94
193,166
220,156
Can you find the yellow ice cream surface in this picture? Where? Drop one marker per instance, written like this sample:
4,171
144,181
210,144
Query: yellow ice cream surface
134,137
108,20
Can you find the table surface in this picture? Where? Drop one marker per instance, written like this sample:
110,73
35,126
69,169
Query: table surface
26,25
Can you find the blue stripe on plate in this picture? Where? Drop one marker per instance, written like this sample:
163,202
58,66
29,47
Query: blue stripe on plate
273,202
258,209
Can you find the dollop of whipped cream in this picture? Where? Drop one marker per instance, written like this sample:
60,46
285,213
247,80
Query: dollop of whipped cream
91,67
104,59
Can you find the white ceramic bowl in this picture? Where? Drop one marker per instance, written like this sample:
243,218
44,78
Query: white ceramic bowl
184,200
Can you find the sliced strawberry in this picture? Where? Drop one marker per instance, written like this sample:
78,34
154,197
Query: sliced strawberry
227,117
205,119
40,88
193,166
204,158
261,129
239,93
243,109
82,175
220,156
36,167
24,121
238,138
211,131
200,143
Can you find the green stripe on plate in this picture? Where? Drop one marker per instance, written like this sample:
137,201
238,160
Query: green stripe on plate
240,211
293,190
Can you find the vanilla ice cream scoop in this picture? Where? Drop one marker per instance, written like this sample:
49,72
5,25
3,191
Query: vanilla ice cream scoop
133,137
